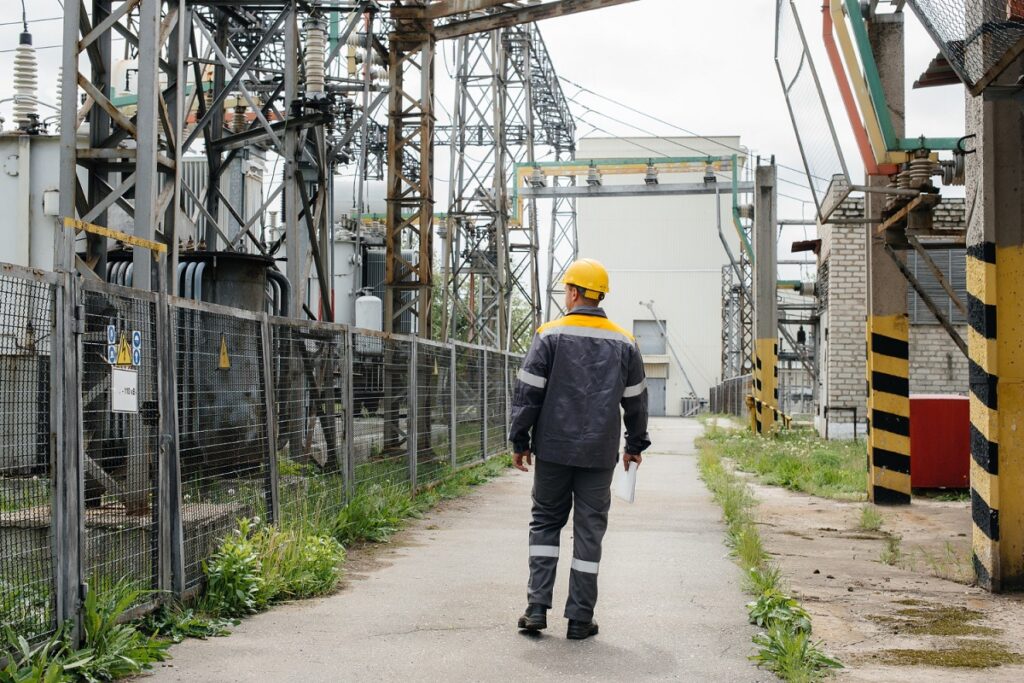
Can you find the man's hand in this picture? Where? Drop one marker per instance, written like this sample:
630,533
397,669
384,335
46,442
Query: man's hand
521,460
629,457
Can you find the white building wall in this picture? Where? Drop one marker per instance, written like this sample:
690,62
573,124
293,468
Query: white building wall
664,249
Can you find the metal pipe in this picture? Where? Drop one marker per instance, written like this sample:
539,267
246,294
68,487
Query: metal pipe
188,279
197,287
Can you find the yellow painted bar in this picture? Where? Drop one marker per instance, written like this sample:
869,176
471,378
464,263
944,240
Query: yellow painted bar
156,247
767,393
888,479
860,89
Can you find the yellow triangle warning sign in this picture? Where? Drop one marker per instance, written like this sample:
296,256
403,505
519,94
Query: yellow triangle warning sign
124,351
225,360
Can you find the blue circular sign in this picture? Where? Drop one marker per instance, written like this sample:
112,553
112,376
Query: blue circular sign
137,339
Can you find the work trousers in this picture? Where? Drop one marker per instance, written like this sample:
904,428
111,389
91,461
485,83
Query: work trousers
557,489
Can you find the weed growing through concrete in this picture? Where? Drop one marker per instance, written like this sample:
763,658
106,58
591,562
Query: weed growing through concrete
785,647
870,518
892,554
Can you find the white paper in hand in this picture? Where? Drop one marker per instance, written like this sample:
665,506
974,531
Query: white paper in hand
625,484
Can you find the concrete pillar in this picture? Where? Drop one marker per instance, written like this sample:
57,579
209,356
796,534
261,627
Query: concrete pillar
888,326
995,300
766,323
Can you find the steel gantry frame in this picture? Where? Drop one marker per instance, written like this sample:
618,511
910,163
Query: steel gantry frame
508,101
271,76
493,55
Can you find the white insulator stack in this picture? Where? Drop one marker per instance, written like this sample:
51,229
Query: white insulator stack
26,81
316,57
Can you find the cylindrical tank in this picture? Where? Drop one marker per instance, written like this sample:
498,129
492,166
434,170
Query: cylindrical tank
346,270
370,313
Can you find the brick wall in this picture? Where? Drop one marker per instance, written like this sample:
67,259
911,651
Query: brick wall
847,310
937,366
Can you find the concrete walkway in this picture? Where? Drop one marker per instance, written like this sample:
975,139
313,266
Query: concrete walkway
441,604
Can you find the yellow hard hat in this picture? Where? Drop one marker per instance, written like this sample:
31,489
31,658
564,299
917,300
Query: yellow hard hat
589,275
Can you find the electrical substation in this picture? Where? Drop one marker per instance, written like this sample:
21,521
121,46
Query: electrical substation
257,252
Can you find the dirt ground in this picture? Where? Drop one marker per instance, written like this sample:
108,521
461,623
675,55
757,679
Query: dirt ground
884,602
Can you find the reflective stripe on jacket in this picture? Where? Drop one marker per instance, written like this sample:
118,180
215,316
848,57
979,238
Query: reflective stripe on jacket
578,373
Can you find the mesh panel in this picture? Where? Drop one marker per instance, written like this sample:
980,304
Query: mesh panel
979,38
826,169
222,425
380,390
469,377
26,561
496,432
120,439
434,412
310,392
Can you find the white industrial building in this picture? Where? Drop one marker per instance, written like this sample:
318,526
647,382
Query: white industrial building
665,250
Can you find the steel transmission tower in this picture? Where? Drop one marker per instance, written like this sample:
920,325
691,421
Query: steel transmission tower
508,102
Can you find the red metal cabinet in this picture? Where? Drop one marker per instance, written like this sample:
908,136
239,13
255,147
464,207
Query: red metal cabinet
940,441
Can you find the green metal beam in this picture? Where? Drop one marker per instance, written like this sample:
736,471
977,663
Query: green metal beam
874,82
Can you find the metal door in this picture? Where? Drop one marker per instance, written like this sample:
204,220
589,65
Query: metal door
656,397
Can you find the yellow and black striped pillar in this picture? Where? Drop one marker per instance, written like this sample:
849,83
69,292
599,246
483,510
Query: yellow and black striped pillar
766,385
766,314
995,338
888,374
888,327
983,280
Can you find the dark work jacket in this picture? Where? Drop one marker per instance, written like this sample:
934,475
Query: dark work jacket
579,372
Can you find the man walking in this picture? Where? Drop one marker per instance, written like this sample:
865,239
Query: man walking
580,369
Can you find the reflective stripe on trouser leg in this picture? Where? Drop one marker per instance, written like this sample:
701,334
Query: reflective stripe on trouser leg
552,500
591,499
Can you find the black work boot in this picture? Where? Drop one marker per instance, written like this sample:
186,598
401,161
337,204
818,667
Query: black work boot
535,618
581,630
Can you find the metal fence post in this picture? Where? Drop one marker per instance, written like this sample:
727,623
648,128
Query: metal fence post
170,550
484,417
66,437
454,438
350,420
412,419
508,398
273,483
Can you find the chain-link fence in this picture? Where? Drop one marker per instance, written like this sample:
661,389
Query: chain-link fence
187,417
27,597
819,147
730,397
980,39
120,436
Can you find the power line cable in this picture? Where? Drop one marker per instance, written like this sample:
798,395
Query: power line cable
669,124
672,141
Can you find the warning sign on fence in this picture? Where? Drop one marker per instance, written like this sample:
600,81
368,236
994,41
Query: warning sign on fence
225,360
124,390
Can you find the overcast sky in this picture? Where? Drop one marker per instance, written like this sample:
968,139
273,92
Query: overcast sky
704,66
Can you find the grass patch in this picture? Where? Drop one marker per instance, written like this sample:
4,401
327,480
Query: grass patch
936,620
967,654
870,518
797,459
785,646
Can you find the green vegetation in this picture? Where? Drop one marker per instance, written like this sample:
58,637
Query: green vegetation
870,518
114,649
798,460
936,620
785,647
968,653
892,554
110,649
